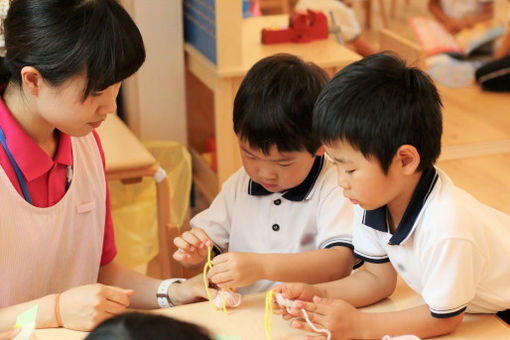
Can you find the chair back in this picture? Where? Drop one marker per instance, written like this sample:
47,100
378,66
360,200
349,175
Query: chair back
412,53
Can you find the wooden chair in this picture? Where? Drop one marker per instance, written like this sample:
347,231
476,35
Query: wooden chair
411,52
367,6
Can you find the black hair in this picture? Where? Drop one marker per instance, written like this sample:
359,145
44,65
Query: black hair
379,104
62,38
274,104
140,326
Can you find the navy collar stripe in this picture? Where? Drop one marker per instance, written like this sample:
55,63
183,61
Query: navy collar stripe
298,193
376,218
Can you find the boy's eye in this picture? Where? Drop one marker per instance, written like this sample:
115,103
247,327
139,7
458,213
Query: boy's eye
285,164
349,171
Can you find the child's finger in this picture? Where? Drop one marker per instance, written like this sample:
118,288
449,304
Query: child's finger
179,255
118,295
203,237
222,279
192,239
113,307
183,245
303,325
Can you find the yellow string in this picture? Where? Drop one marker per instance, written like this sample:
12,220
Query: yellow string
207,266
268,317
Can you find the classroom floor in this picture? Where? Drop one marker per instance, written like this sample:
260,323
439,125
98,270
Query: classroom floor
476,124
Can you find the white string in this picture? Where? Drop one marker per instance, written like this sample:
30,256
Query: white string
318,330
289,303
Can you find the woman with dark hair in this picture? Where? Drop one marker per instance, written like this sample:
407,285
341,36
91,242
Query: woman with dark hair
64,62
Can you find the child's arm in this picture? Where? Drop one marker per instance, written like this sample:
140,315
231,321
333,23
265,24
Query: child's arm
436,10
345,321
237,269
334,304
453,25
192,247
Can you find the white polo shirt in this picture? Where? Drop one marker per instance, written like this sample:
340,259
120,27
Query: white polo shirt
449,247
245,217
459,9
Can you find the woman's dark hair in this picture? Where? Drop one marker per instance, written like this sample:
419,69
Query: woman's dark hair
62,38
139,326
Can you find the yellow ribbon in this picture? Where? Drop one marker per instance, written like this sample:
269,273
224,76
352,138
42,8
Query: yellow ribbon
207,266
268,316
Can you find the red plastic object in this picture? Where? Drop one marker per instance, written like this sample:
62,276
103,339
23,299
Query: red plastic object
303,27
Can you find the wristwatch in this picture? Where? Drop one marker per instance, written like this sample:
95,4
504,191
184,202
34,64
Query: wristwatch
162,294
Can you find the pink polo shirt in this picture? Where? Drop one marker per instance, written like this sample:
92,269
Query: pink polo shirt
46,177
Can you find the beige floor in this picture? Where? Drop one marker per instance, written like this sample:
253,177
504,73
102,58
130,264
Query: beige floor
476,135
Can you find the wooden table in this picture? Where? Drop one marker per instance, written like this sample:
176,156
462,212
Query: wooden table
224,83
128,160
247,321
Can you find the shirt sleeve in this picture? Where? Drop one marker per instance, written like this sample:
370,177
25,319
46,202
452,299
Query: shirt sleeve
216,220
452,269
109,248
367,241
334,215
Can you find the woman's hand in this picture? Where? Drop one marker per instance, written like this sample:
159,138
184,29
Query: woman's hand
9,335
83,307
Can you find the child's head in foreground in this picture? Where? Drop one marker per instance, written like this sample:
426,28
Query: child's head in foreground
139,326
379,121
273,120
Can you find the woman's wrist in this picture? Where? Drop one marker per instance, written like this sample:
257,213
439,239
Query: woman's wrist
167,294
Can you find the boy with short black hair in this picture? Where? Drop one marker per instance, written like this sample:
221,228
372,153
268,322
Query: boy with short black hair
281,217
380,121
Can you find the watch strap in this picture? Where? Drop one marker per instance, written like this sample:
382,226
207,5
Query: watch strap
162,294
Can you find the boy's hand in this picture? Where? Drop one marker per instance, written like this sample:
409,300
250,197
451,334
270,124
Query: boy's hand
336,315
84,307
191,290
294,291
236,269
192,247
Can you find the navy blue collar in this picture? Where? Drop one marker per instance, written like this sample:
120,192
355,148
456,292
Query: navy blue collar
298,193
377,218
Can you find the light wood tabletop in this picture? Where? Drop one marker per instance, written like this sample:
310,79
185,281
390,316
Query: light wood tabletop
247,321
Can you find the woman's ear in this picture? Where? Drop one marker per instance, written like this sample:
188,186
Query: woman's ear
408,159
31,79
320,151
